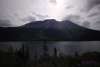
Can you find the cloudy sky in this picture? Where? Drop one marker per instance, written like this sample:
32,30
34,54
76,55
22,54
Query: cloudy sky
19,12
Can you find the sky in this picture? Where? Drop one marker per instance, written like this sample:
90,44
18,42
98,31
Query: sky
19,12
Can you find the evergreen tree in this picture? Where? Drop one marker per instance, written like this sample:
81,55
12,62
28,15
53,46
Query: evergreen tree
45,50
55,57
10,56
10,50
55,52
76,54
35,55
23,54
35,58
27,56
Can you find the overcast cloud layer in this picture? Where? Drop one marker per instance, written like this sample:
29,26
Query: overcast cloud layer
83,12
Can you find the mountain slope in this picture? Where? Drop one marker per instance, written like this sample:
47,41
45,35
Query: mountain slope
51,30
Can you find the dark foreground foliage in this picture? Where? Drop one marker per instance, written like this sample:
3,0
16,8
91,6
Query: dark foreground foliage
21,58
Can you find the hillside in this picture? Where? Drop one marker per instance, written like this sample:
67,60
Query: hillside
51,30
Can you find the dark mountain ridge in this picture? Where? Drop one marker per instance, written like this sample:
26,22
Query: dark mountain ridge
49,30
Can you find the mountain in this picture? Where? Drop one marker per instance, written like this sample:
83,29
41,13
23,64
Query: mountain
50,30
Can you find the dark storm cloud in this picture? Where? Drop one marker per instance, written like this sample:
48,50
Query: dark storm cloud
86,24
5,23
94,11
93,3
34,17
53,1
93,14
29,18
39,16
76,17
69,7
73,18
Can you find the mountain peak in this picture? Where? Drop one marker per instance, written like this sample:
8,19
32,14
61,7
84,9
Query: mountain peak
40,24
52,20
53,24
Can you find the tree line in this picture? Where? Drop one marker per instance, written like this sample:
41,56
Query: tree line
21,58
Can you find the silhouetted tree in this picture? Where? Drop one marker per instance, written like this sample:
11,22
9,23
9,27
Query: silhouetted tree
10,49
23,55
55,52
45,50
55,58
35,58
10,55
76,54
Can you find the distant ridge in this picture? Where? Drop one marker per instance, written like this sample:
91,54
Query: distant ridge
49,30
